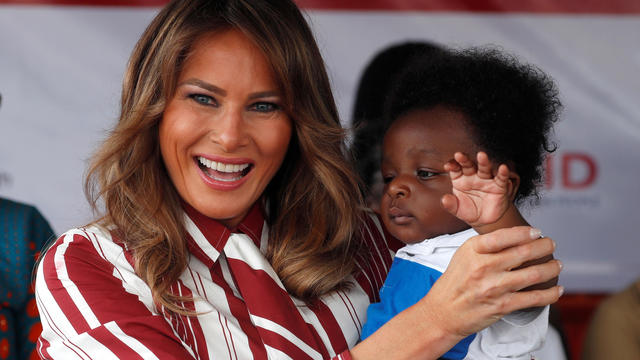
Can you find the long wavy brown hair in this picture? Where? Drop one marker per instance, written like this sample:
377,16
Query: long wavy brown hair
313,202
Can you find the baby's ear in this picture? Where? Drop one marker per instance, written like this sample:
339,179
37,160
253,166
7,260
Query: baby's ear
514,183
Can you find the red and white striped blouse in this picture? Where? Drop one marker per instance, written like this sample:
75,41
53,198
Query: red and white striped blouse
94,306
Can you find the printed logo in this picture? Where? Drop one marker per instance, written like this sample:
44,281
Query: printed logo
577,171
569,177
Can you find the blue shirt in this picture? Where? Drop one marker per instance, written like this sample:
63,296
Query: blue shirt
415,269
406,284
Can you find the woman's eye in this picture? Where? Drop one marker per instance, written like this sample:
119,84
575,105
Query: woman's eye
424,174
264,107
202,99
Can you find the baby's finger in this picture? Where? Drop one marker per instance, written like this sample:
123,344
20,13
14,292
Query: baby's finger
502,177
485,169
468,166
450,203
453,168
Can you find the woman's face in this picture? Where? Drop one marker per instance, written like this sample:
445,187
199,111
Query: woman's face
224,134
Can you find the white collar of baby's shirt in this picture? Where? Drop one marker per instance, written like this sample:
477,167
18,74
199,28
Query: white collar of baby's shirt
436,244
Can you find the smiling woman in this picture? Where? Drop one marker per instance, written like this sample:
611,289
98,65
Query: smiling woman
224,133
231,221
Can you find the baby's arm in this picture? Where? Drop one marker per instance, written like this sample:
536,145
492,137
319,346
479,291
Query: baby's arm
481,196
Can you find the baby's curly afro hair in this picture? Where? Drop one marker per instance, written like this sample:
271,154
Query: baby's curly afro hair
510,106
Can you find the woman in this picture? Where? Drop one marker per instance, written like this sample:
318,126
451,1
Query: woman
231,224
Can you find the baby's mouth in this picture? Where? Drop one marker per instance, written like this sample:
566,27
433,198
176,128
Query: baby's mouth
220,171
399,216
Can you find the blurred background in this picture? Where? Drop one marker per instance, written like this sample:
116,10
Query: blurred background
61,64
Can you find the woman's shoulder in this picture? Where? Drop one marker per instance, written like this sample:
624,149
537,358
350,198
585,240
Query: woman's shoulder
89,259
87,277
93,234
90,245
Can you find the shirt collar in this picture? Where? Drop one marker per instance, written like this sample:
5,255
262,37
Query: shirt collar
431,245
453,240
207,237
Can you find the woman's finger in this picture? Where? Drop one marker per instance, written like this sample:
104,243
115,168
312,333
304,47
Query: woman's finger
532,298
515,256
531,275
501,239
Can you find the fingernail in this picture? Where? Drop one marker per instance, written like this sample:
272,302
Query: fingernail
560,290
535,233
553,243
560,264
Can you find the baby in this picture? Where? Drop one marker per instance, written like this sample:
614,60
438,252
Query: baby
435,197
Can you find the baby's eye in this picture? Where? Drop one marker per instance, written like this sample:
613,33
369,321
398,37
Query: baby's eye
203,99
387,179
424,174
264,107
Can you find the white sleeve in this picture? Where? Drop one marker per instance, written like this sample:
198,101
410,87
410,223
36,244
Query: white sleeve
515,336
552,348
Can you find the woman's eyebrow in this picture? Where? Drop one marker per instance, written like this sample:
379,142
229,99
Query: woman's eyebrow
263,94
214,89
205,85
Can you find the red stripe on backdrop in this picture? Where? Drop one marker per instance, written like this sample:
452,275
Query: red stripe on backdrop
522,6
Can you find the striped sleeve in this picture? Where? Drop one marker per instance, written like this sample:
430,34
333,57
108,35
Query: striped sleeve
346,355
93,306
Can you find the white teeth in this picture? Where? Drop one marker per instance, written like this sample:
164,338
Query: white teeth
222,167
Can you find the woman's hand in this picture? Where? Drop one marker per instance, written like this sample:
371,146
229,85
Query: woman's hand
480,286
482,283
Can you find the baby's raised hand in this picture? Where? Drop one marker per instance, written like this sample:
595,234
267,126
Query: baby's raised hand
480,195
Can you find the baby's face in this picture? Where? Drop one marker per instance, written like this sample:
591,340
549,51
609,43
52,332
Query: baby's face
414,152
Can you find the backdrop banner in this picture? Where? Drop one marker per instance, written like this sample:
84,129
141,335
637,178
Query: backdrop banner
61,68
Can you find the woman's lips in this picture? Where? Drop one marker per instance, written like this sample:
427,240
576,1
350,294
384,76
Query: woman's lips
221,171
223,174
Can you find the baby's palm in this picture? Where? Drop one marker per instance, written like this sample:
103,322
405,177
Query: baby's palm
479,196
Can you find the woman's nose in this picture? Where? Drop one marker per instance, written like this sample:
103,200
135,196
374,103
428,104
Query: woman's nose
398,188
229,130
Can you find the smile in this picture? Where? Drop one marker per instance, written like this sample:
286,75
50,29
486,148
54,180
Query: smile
224,172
